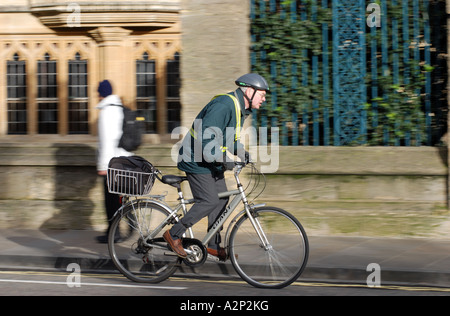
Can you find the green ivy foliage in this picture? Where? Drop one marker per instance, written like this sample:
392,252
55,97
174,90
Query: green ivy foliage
286,43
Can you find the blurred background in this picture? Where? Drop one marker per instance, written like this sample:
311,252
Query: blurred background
358,92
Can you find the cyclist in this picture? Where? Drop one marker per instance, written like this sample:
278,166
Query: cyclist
202,156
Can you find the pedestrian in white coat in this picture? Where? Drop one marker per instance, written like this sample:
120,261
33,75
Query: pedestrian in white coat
110,122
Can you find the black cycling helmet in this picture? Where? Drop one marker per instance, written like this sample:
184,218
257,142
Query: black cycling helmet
254,81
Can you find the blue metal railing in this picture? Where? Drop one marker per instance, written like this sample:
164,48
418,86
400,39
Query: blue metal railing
346,79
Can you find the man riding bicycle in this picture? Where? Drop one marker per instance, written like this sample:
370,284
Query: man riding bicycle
202,156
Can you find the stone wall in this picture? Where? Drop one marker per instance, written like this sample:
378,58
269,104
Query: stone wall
369,191
55,186
380,191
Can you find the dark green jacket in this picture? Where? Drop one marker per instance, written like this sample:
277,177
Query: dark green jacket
212,133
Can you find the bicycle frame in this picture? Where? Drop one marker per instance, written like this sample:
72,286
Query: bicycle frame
239,196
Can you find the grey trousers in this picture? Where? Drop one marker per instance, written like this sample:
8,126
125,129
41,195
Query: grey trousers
205,189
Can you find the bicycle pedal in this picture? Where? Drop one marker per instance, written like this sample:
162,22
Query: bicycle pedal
212,258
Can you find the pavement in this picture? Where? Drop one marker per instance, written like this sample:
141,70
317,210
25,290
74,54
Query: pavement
415,261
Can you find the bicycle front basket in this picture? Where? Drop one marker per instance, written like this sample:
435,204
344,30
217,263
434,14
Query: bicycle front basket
132,176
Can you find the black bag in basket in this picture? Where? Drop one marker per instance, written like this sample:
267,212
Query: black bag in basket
130,175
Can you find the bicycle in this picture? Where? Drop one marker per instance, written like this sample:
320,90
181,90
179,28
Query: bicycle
267,246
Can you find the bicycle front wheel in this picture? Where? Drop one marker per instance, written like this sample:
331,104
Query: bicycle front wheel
138,258
273,255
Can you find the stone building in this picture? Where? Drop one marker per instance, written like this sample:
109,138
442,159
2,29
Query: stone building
54,53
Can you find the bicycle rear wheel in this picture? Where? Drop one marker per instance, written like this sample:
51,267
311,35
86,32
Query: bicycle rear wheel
139,259
280,262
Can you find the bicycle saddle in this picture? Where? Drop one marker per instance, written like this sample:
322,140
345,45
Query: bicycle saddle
173,180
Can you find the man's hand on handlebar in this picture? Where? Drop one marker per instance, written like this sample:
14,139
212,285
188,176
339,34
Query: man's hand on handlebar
229,165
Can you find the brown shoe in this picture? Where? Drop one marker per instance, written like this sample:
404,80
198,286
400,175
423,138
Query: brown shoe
176,245
221,253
